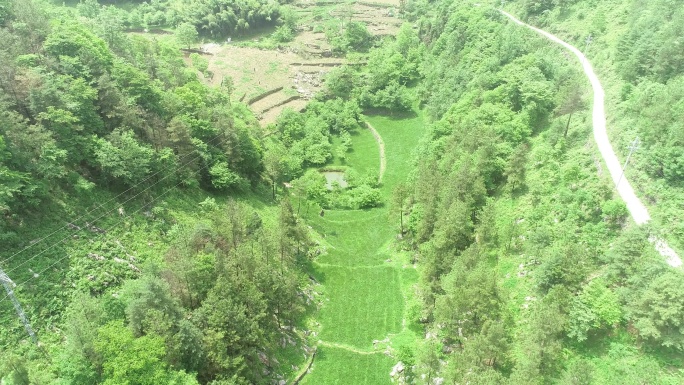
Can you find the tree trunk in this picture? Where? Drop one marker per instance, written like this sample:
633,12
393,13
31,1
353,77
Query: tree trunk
401,221
567,126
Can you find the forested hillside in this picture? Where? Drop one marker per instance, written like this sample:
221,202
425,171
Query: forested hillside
437,214
530,271
132,263
636,49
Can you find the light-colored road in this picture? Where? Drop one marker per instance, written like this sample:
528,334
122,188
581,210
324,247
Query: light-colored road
624,188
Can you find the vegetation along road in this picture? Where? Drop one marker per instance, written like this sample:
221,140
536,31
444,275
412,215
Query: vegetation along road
636,208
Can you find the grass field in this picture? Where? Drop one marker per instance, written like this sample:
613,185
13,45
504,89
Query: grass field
364,152
365,281
335,366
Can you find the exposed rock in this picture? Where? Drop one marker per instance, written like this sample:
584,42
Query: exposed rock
96,257
264,358
397,369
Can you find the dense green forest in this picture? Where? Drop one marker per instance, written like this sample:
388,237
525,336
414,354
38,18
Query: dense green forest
158,234
98,124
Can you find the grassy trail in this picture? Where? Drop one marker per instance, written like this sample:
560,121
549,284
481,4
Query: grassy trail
381,148
365,281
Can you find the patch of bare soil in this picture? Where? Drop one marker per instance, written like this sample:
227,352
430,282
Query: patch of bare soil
271,115
297,71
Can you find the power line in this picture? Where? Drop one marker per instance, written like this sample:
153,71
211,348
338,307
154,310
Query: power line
109,228
10,285
105,203
100,217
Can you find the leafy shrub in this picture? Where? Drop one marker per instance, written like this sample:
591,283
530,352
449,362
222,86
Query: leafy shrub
364,197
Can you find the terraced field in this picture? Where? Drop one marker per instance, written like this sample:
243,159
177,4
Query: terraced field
297,71
365,279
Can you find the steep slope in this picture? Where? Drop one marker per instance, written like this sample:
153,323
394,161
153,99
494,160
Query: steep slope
636,208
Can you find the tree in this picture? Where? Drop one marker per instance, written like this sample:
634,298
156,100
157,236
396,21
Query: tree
471,298
289,17
13,368
73,40
134,361
82,363
658,310
230,318
88,8
614,212
571,101
515,167
579,372
400,195
222,177
151,309
274,165
357,36
341,81
291,232
596,308
427,360
11,182
123,157
542,339
200,63
186,34
476,363
5,11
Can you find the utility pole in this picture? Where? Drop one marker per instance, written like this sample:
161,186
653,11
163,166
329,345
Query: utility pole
632,147
588,41
9,286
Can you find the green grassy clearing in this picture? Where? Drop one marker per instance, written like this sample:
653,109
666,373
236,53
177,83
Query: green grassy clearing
354,237
365,304
365,281
401,136
335,366
363,156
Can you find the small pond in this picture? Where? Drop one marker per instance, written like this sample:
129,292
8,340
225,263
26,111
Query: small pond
334,176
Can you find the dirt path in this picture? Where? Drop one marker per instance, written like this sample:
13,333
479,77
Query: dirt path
381,147
347,347
636,208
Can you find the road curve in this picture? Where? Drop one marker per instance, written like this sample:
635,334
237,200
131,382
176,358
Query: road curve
636,208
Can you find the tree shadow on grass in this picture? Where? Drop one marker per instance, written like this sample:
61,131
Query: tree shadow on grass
314,274
390,114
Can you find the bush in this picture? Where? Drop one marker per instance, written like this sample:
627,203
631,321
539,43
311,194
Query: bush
283,34
364,197
614,212
222,177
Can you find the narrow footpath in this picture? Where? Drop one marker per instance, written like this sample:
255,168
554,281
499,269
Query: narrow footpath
636,208
381,148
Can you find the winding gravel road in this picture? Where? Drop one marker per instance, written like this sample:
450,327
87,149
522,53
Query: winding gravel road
636,208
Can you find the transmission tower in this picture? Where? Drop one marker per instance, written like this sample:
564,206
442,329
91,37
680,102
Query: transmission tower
9,286
632,147
588,41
